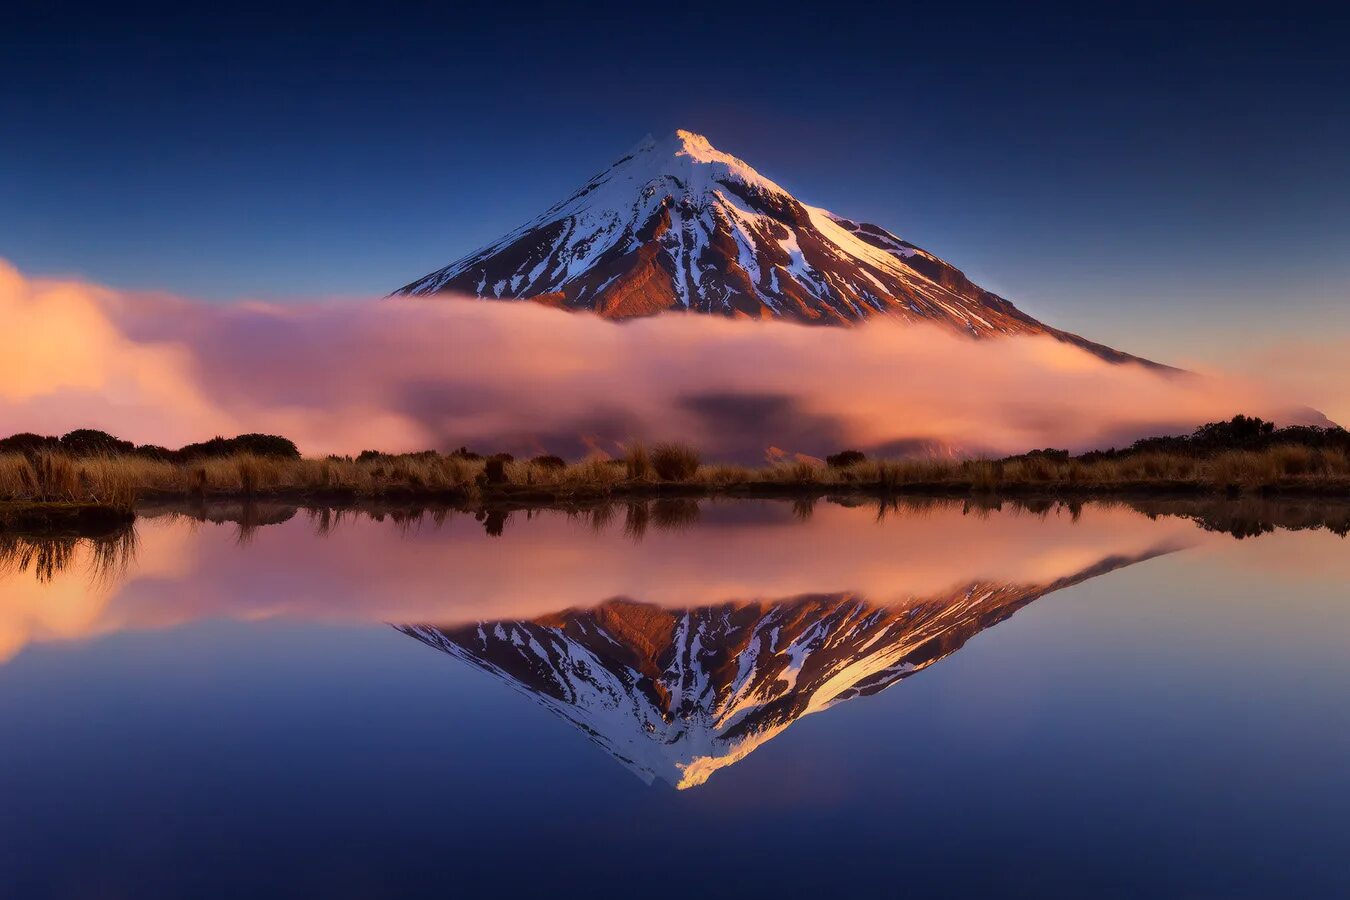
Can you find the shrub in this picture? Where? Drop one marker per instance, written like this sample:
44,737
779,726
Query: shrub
845,458
217,446
674,462
27,442
549,461
1238,430
92,442
494,471
265,445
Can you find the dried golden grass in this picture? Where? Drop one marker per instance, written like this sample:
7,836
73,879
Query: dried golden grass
120,480
57,478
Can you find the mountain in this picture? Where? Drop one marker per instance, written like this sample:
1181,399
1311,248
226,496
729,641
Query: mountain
680,693
679,225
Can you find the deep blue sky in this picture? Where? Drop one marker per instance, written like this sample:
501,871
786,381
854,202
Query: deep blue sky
1130,173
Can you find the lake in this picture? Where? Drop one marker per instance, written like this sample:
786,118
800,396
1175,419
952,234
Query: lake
680,697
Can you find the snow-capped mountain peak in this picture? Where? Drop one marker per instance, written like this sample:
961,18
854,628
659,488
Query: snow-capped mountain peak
677,224
689,153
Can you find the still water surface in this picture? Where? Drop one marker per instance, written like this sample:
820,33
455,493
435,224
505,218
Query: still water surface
757,698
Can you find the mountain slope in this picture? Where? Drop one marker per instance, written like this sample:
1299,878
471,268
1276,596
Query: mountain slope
680,693
679,225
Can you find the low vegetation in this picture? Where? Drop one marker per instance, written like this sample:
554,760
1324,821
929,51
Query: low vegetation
1243,455
88,442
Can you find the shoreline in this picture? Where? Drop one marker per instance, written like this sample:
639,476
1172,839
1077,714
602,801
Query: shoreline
37,519
100,486
560,496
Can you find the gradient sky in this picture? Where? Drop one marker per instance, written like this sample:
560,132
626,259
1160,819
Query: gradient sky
1164,181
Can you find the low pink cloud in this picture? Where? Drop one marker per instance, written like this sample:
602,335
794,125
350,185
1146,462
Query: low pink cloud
409,375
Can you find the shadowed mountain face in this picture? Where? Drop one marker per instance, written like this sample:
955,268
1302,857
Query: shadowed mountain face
679,225
678,693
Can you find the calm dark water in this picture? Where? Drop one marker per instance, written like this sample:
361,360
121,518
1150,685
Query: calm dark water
748,699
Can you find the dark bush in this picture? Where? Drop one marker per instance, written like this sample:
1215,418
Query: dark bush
550,462
494,471
369,455
1238,430
266,445
465,453
1238,433
258,444
845,458
91,442
27,442
217,446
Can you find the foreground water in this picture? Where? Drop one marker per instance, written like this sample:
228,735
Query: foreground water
757,698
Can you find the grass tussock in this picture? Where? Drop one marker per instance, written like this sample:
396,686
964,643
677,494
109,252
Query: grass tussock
675,462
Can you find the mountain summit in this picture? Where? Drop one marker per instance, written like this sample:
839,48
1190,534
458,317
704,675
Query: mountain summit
679,225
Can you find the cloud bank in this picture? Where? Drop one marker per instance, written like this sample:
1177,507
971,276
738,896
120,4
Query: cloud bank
410,375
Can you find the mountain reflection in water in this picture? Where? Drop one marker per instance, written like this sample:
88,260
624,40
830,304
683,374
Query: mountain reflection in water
680,693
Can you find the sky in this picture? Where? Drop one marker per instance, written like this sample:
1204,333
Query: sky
1171,180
